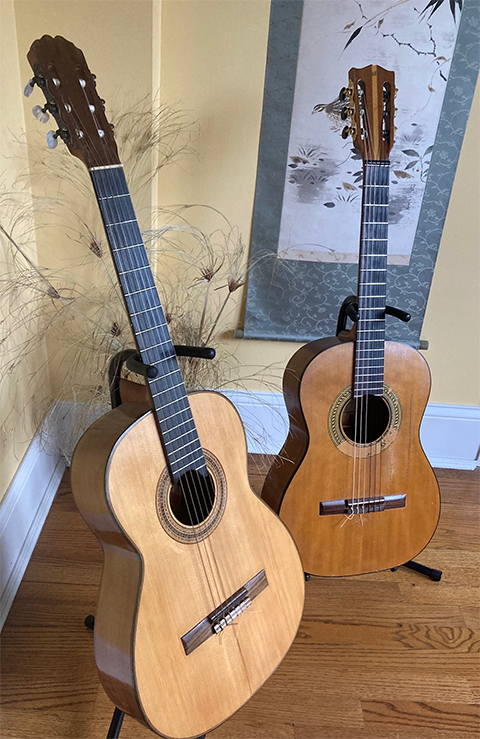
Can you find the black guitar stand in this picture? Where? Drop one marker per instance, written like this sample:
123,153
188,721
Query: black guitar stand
349,309
130,358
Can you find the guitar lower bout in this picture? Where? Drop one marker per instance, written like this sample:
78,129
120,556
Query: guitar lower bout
191,620
357,497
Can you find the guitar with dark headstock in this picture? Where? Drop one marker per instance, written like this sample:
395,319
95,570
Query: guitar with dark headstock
202,586
352,482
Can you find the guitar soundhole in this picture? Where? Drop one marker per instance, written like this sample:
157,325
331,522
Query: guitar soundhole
365,419
192,499
191,510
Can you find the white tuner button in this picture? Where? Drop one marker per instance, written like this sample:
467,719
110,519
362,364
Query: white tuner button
40,114
28,88
52,141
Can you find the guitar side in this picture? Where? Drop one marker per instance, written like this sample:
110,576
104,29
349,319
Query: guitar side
322,469
151,595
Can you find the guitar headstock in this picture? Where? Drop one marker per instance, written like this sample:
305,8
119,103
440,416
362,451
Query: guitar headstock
369,101
61,71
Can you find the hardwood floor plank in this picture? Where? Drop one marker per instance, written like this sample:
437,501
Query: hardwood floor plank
416,720
390,655
412,635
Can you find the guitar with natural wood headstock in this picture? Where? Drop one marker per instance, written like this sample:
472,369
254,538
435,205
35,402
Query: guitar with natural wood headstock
202,586
352,482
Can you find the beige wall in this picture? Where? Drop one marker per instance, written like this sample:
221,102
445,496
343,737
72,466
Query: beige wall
209,57
452,321
19,416
117,37
213,61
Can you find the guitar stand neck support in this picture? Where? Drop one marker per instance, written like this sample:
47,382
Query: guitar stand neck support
130,358
349,309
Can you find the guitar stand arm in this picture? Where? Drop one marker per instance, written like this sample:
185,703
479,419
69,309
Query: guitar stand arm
349,309
130,358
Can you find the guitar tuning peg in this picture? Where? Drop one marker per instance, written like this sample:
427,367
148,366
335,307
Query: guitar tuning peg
345,94
347,131
28,89
40,113
52,139
346,112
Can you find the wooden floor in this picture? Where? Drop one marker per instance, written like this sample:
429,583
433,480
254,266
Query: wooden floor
386,656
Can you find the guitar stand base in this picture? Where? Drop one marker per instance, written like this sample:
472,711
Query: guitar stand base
430,572
118,715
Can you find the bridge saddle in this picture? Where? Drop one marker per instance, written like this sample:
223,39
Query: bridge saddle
222,622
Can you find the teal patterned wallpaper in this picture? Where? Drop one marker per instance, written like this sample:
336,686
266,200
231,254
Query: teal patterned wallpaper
299,300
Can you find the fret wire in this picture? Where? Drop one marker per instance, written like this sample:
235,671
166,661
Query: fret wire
172,402
154,395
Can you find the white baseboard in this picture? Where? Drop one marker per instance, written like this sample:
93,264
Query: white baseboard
450,434
25,507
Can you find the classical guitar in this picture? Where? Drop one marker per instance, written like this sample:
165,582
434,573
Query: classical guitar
352,482
202,587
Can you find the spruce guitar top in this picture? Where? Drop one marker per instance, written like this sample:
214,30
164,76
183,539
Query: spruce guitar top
352,482
202,586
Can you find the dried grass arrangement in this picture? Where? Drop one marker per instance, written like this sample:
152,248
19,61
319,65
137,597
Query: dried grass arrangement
73,302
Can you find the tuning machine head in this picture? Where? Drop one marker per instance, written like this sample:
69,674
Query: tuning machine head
40,113
348,131
345,94
346,113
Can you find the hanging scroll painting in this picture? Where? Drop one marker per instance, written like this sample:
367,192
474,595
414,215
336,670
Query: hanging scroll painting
308,200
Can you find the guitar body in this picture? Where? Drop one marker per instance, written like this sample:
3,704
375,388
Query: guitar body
156,587
318,463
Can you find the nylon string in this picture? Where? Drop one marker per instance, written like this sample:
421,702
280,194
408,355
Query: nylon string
146,310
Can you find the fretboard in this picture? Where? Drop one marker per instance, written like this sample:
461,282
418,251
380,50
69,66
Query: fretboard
372,281
176,425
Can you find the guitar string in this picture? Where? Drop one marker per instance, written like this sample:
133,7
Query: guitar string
379,173
110,159
359,345
169,396
368,456
172,397
144,303
370,172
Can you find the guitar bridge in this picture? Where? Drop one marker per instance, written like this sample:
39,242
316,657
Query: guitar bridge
349,506
221,617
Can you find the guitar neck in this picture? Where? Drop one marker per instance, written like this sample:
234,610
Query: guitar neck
372,281
175,422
